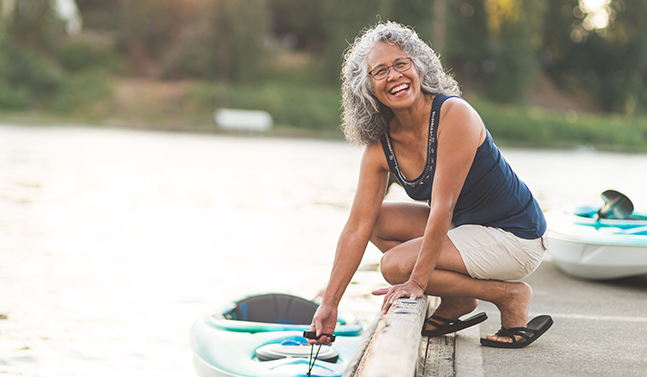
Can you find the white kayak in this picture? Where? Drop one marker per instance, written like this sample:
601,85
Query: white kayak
586,246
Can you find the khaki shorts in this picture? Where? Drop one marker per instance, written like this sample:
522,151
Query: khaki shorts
493,253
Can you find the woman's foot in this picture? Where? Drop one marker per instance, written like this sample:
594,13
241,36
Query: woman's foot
451,309
514,305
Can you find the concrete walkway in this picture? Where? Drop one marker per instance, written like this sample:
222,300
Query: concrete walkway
600,329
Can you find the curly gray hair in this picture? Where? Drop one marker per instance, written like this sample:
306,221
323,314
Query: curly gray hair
365,118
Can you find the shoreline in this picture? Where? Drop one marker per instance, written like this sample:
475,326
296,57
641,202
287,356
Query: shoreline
279,132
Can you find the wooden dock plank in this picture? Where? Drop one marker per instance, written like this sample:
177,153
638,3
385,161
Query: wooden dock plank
367,336
437,360
394,348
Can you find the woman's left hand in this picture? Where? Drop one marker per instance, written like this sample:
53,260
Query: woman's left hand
408,289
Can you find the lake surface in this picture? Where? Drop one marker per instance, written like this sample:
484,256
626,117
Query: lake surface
112,242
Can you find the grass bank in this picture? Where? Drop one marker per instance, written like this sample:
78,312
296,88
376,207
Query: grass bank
314,111
537,127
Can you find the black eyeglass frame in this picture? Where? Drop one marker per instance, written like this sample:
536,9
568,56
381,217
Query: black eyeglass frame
388,68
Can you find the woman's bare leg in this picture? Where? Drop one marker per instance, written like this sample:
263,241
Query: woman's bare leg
398,223
398,233
401,223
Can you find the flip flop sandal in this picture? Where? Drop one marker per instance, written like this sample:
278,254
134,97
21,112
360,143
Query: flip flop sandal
448,326
536,327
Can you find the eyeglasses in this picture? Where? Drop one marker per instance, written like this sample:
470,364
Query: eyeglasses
400,65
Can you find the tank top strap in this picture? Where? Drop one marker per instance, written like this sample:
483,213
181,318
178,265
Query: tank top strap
433,127
420,187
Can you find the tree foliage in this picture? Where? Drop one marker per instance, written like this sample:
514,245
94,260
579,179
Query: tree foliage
496,46
28,69
515,28
609,63
31,73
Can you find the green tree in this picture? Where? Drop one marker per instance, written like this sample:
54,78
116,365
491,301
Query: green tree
634,75
100,14
28,68
225,41
467,46
299,20
515,31
609,62
239,27
34,25
145,30
344,20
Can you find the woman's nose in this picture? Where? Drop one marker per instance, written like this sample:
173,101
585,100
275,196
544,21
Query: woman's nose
392,71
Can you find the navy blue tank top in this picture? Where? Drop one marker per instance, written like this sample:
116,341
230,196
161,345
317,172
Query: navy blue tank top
492,194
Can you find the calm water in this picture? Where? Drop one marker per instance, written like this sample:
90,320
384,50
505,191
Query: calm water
112,242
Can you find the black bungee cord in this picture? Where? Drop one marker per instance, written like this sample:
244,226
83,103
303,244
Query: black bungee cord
312,361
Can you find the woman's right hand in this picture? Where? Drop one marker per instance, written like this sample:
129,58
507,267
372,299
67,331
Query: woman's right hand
323,322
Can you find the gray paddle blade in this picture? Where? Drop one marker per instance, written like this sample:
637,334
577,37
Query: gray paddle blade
616,204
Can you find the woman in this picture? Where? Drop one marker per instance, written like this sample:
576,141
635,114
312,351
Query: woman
481,225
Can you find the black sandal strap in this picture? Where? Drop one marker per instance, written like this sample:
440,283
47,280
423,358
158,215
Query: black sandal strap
512,333
431,321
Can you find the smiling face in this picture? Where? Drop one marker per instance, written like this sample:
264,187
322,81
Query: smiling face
399,90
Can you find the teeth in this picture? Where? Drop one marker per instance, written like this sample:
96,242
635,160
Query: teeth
399,87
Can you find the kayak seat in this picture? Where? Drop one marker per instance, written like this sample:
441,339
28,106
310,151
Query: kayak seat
285,350
275,308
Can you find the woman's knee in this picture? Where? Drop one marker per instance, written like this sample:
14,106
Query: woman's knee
394,269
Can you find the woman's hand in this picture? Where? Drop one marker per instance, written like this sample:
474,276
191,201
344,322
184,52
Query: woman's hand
408,289
323,322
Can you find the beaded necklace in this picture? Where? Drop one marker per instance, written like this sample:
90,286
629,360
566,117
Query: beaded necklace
431,152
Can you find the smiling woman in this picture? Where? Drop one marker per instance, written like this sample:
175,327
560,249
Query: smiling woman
396,88
365,118
481,226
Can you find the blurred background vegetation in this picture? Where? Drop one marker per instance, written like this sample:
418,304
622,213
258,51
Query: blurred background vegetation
541,72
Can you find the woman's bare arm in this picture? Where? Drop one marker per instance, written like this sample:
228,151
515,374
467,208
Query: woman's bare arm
354,236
